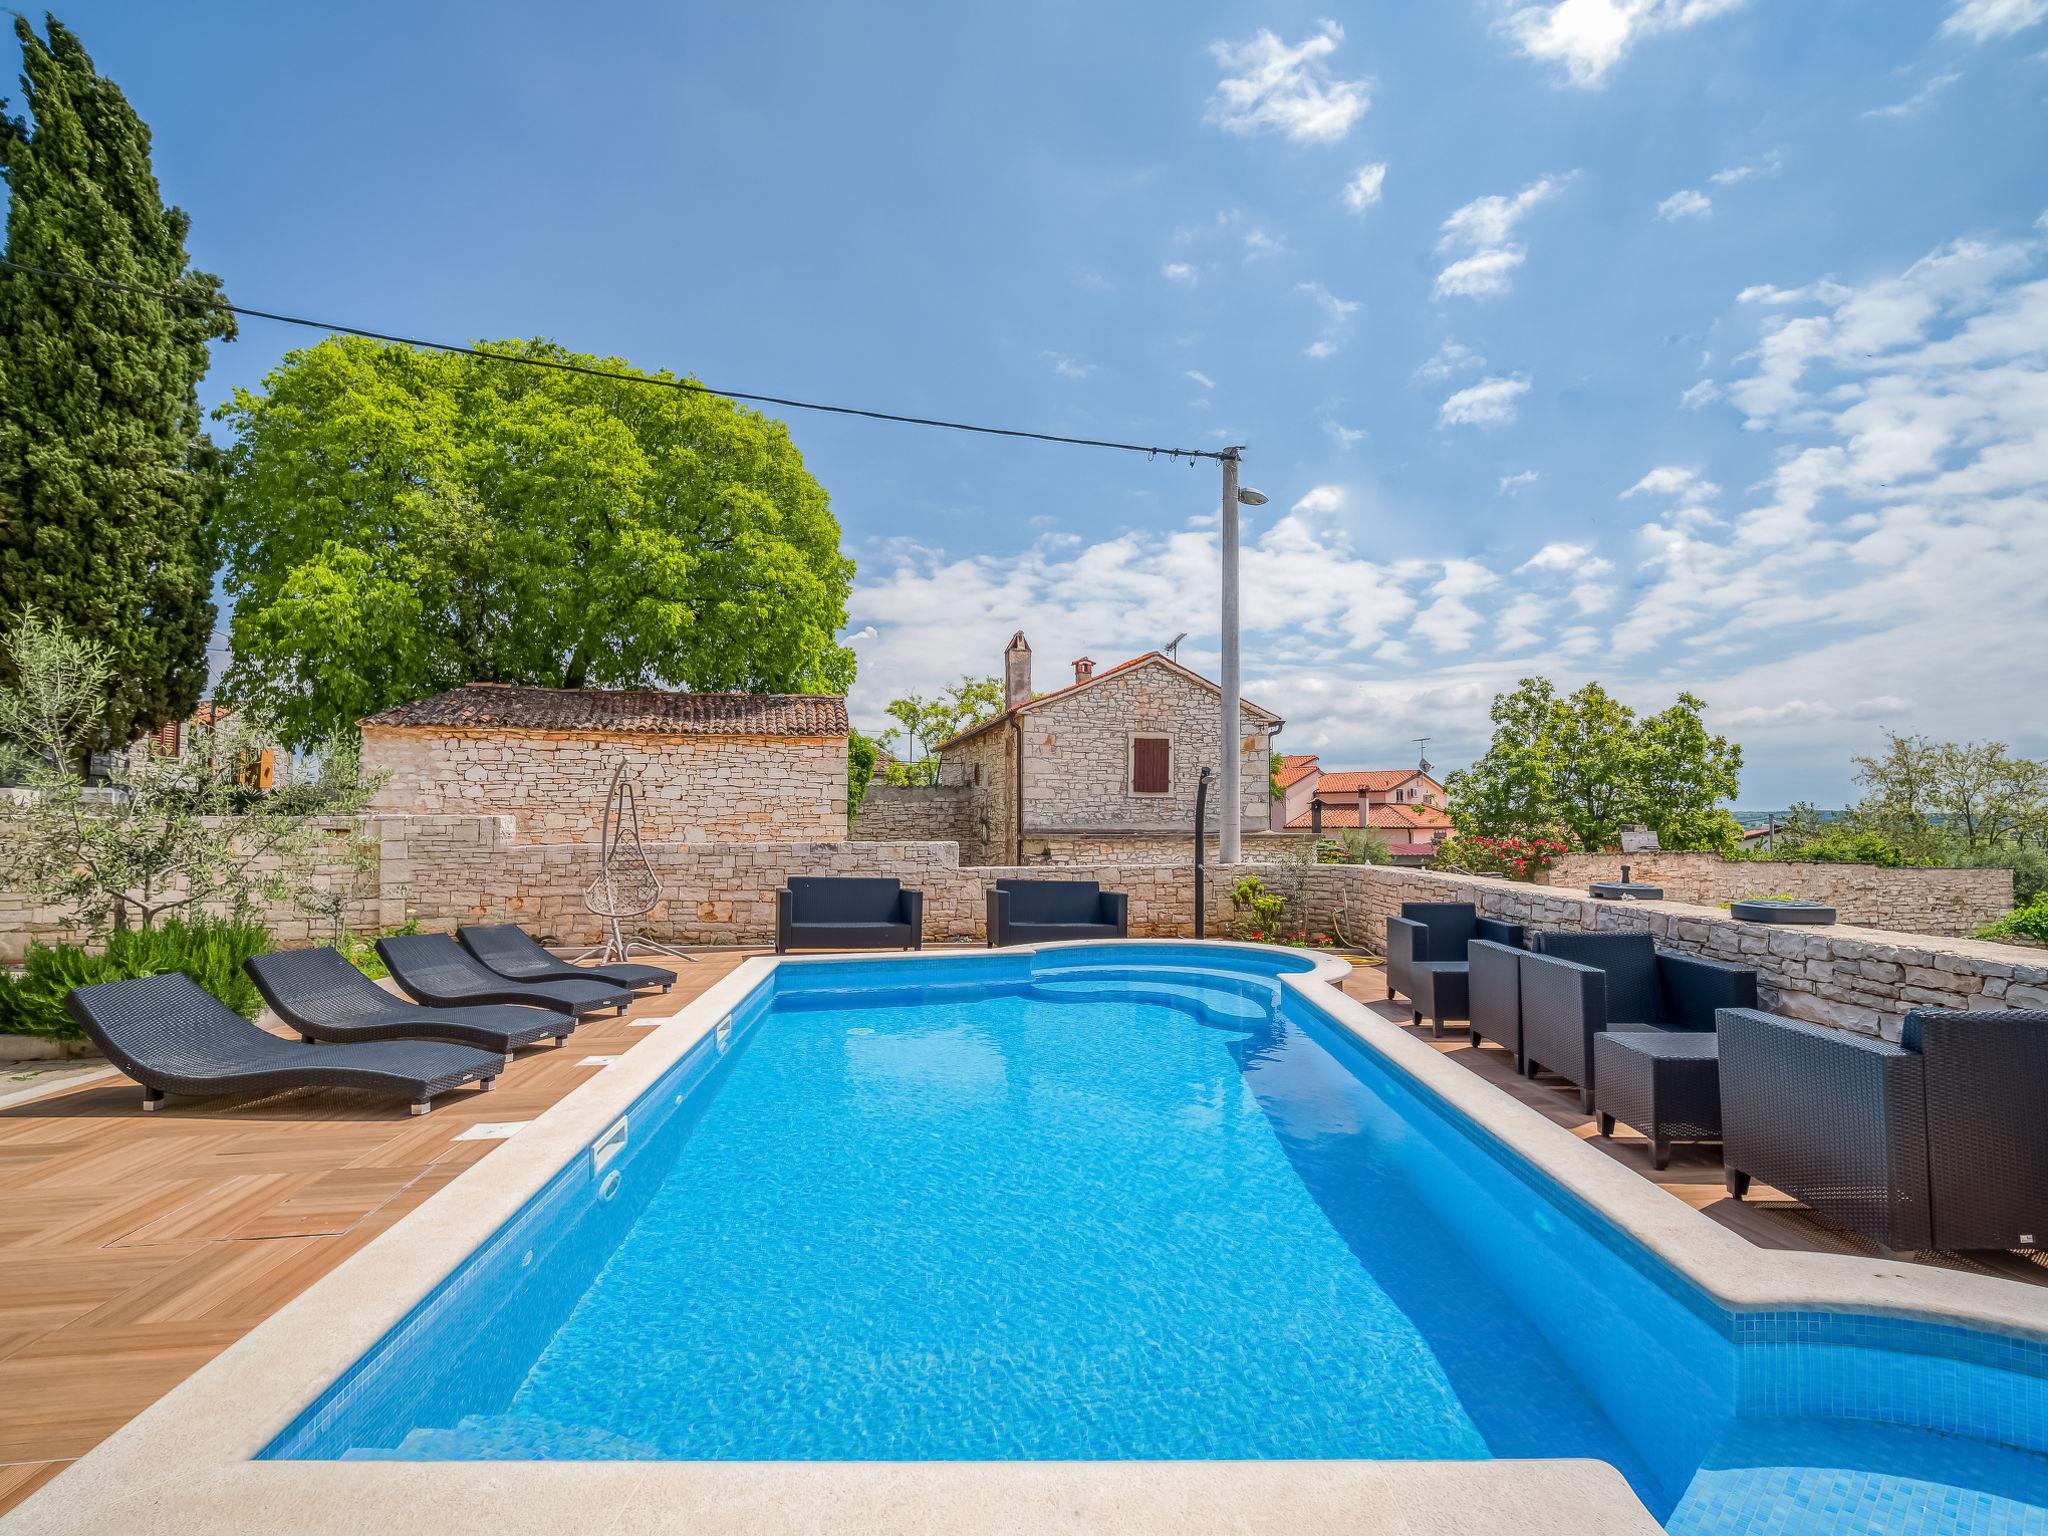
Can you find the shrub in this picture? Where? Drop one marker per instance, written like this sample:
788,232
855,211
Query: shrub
210,950
1258,909
360,949
2029,868
1518,858
2027,922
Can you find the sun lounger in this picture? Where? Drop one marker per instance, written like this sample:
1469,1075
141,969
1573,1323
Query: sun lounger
511,951
326,999
437,971
173,1037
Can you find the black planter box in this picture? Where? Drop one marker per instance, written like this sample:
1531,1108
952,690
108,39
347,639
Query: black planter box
1781,912
1615,890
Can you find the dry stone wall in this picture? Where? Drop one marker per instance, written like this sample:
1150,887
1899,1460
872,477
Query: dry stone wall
448,870
930,813
1949,902
553,783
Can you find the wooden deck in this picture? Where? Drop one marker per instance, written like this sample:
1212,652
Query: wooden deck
133,1249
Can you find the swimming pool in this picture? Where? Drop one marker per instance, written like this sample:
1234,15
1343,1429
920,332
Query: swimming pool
1141,1202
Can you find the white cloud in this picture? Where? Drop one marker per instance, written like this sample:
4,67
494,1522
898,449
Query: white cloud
1706,392
1449,621
1178,272
1687,204
1983,20
1770,165
1321,498
1199,377
1363,189
1485,276
1450,360
1485,227
1510,484
1521,622
1589,37
1577,559
1346,438
1337,315
1068,367
1489,403
1272,87
1673,480
1259,245
1918,99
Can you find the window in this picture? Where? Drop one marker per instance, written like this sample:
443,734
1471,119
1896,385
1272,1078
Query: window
1150,770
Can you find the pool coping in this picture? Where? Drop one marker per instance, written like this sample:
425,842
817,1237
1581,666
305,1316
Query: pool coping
187,1463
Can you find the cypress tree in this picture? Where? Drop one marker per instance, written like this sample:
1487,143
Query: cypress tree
106,478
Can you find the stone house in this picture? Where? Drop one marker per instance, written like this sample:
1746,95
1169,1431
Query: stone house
713,767
1405,806
1101,769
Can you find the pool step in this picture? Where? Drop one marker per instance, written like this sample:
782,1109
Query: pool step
1806,1477
1211,1005
508,1437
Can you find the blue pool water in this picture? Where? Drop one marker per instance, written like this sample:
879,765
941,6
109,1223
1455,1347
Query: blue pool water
1128,1204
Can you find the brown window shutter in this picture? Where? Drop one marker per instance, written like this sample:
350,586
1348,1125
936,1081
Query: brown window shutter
1148,765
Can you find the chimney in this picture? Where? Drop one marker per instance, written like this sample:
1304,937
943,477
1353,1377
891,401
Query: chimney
1017,672
1083,669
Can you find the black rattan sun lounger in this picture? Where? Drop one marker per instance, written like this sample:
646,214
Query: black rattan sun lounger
437,971
511,951
173,1037
324,998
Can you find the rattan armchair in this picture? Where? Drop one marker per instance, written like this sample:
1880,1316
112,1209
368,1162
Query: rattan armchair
1574,985
1427,961
1936,1141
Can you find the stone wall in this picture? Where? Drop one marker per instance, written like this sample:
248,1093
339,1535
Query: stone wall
456,869
368,900
980,769
553,783
1149,847
1949,902
1853,978
911,813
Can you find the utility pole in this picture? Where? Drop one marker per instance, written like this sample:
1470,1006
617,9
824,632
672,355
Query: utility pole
1231,814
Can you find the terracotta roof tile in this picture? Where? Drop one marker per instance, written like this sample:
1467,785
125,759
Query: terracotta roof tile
643,711
1294,769
1372,778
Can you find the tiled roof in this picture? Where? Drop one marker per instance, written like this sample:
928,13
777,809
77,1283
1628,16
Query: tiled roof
1393,818
642,711
1089,682
1372,778
1294,769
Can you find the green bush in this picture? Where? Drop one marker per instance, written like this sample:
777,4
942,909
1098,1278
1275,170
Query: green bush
1837,845
2027,922
361,949
2029,868
210,950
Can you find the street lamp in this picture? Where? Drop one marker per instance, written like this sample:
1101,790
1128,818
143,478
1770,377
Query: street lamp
1230,817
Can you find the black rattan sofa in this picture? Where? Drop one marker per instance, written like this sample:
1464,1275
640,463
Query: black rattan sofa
1427,960
173,1037
1574,985
1939,1141
324,998
1047,911
847,912
437,971
511,951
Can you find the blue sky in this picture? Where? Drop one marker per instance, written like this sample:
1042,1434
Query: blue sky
1677,343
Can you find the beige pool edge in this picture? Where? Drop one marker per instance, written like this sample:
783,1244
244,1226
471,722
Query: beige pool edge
186,1463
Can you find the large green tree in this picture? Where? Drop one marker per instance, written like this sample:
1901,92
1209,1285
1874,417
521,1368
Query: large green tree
106,478
1586,765
398,522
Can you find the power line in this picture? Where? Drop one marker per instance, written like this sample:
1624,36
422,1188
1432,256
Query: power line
559,366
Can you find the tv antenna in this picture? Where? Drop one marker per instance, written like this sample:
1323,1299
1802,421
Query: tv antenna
1422,757
1172,647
